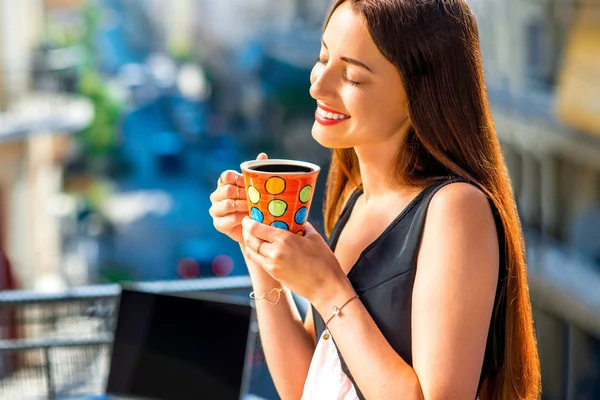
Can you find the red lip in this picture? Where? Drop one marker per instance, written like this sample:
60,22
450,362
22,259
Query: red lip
331,110
327,121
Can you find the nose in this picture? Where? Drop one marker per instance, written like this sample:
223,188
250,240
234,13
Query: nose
322,85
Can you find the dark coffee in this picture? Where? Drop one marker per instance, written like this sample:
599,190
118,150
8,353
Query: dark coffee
278,168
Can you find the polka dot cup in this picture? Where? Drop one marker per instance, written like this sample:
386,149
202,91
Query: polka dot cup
280,192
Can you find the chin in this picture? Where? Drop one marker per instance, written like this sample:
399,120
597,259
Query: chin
328,137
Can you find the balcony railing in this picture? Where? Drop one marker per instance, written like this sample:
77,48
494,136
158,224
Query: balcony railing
63,344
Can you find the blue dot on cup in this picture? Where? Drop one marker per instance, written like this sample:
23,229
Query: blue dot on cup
280,225
301,215
256,215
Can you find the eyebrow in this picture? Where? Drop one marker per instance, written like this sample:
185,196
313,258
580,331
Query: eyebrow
351,60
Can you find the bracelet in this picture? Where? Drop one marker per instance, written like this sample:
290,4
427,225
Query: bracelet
265,294
336,311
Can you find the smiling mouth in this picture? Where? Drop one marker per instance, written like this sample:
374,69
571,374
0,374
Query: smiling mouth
326,116
329,114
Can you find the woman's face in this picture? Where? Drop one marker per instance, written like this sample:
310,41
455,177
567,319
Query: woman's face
355,81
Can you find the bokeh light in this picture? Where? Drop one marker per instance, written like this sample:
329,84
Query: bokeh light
222,265
188,268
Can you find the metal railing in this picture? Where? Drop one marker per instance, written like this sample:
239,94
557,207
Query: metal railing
58,344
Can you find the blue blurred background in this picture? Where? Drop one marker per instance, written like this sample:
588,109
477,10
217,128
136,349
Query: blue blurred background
117,117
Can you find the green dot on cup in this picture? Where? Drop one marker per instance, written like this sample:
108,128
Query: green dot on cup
277,207
305,193
253,195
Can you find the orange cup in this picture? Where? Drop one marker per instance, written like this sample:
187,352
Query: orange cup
280,192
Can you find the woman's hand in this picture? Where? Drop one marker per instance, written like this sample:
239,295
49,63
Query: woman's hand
229,205
304,264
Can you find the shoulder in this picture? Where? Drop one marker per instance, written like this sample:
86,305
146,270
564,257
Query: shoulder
461,203
459,218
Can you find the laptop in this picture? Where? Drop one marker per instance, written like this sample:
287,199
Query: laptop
192,346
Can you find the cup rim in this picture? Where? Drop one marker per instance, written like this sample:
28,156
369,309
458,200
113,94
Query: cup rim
245,166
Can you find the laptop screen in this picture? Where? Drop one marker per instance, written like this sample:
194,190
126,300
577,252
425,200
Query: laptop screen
172,347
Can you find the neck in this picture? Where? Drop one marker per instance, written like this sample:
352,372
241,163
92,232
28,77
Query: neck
378,172
378,167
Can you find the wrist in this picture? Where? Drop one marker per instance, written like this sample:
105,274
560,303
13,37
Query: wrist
336,295
261,280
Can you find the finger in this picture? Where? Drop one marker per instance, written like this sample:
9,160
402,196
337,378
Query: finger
228,222
227,192
257,258
231,177
263,231
262,156
309,230
254,243
228,206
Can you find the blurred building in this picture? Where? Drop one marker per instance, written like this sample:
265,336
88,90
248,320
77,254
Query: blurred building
36,116
542,62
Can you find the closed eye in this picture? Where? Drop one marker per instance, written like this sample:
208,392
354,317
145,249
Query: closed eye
351,82
345,76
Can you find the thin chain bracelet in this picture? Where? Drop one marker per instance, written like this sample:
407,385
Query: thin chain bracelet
336,311
265,294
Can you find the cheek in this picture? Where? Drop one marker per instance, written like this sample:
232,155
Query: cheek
376,116
382,111
364,107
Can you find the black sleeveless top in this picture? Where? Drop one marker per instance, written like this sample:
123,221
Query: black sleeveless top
384,274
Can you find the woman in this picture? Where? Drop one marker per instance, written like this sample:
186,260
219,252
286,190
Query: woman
425,255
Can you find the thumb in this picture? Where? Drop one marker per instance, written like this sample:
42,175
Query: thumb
262,156
310,230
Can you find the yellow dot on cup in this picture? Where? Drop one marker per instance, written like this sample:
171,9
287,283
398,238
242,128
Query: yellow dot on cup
275,185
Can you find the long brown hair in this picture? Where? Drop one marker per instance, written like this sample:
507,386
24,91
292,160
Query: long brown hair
434,44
